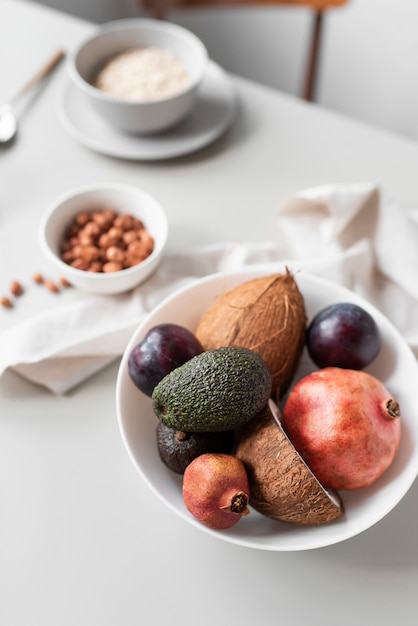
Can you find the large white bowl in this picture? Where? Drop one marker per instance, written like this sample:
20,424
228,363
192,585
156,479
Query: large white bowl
113,38
122,198
395,365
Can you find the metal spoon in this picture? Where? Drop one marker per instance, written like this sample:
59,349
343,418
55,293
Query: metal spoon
8,122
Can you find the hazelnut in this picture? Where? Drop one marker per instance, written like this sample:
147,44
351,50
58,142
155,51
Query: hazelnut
38,278
85,239
51,286
115,234
82,218
112,266
16,288
64,282
115,254
90,253
92,229
95,267
79,264
129,236
6,302
97,241
104,240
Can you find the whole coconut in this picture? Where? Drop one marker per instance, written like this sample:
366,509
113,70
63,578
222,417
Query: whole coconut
265,314
282,486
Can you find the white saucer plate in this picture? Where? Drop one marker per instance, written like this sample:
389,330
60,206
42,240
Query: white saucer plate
212,115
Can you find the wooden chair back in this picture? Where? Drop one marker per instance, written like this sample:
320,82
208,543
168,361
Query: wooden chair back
160,8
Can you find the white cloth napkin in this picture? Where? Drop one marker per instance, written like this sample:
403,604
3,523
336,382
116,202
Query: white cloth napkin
350,234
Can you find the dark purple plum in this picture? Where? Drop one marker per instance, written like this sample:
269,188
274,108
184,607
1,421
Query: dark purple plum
164,347
343,335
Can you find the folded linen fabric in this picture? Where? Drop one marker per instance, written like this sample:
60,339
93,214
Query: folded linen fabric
61,346
350,234
338,218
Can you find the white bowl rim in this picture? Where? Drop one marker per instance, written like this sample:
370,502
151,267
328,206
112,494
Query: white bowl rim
130,23
101,276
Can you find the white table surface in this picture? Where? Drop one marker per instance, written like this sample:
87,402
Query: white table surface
83,541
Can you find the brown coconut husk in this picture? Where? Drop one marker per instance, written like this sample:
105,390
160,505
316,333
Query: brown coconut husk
265,314
282,486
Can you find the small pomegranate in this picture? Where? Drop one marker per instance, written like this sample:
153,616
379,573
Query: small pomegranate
216,490
344,424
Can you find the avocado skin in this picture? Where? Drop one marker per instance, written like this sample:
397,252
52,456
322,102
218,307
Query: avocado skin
214,391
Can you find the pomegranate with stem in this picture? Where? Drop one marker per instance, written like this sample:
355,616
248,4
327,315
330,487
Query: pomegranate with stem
216,490
345,424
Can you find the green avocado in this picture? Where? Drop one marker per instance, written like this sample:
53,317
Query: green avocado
214,391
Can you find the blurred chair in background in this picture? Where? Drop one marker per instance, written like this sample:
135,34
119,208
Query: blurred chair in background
160,8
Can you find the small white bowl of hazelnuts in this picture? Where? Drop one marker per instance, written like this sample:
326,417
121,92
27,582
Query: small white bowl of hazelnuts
105,238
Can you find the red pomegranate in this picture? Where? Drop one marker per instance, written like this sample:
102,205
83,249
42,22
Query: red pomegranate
345,425
216,490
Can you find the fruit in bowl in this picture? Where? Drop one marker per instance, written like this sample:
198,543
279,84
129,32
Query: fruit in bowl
343,334
163,348
214,391
216,490
345,424
266,314
342,431
282,486
395,366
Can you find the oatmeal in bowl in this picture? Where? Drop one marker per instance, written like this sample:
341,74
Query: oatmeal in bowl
139,75
143,74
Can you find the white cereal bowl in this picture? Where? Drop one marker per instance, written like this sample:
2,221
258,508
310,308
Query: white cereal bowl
395,365
124,199
113,38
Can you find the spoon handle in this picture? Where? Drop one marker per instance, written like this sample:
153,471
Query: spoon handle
43,71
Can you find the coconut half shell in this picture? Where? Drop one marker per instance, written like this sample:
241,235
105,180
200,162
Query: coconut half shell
265,314
282,486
